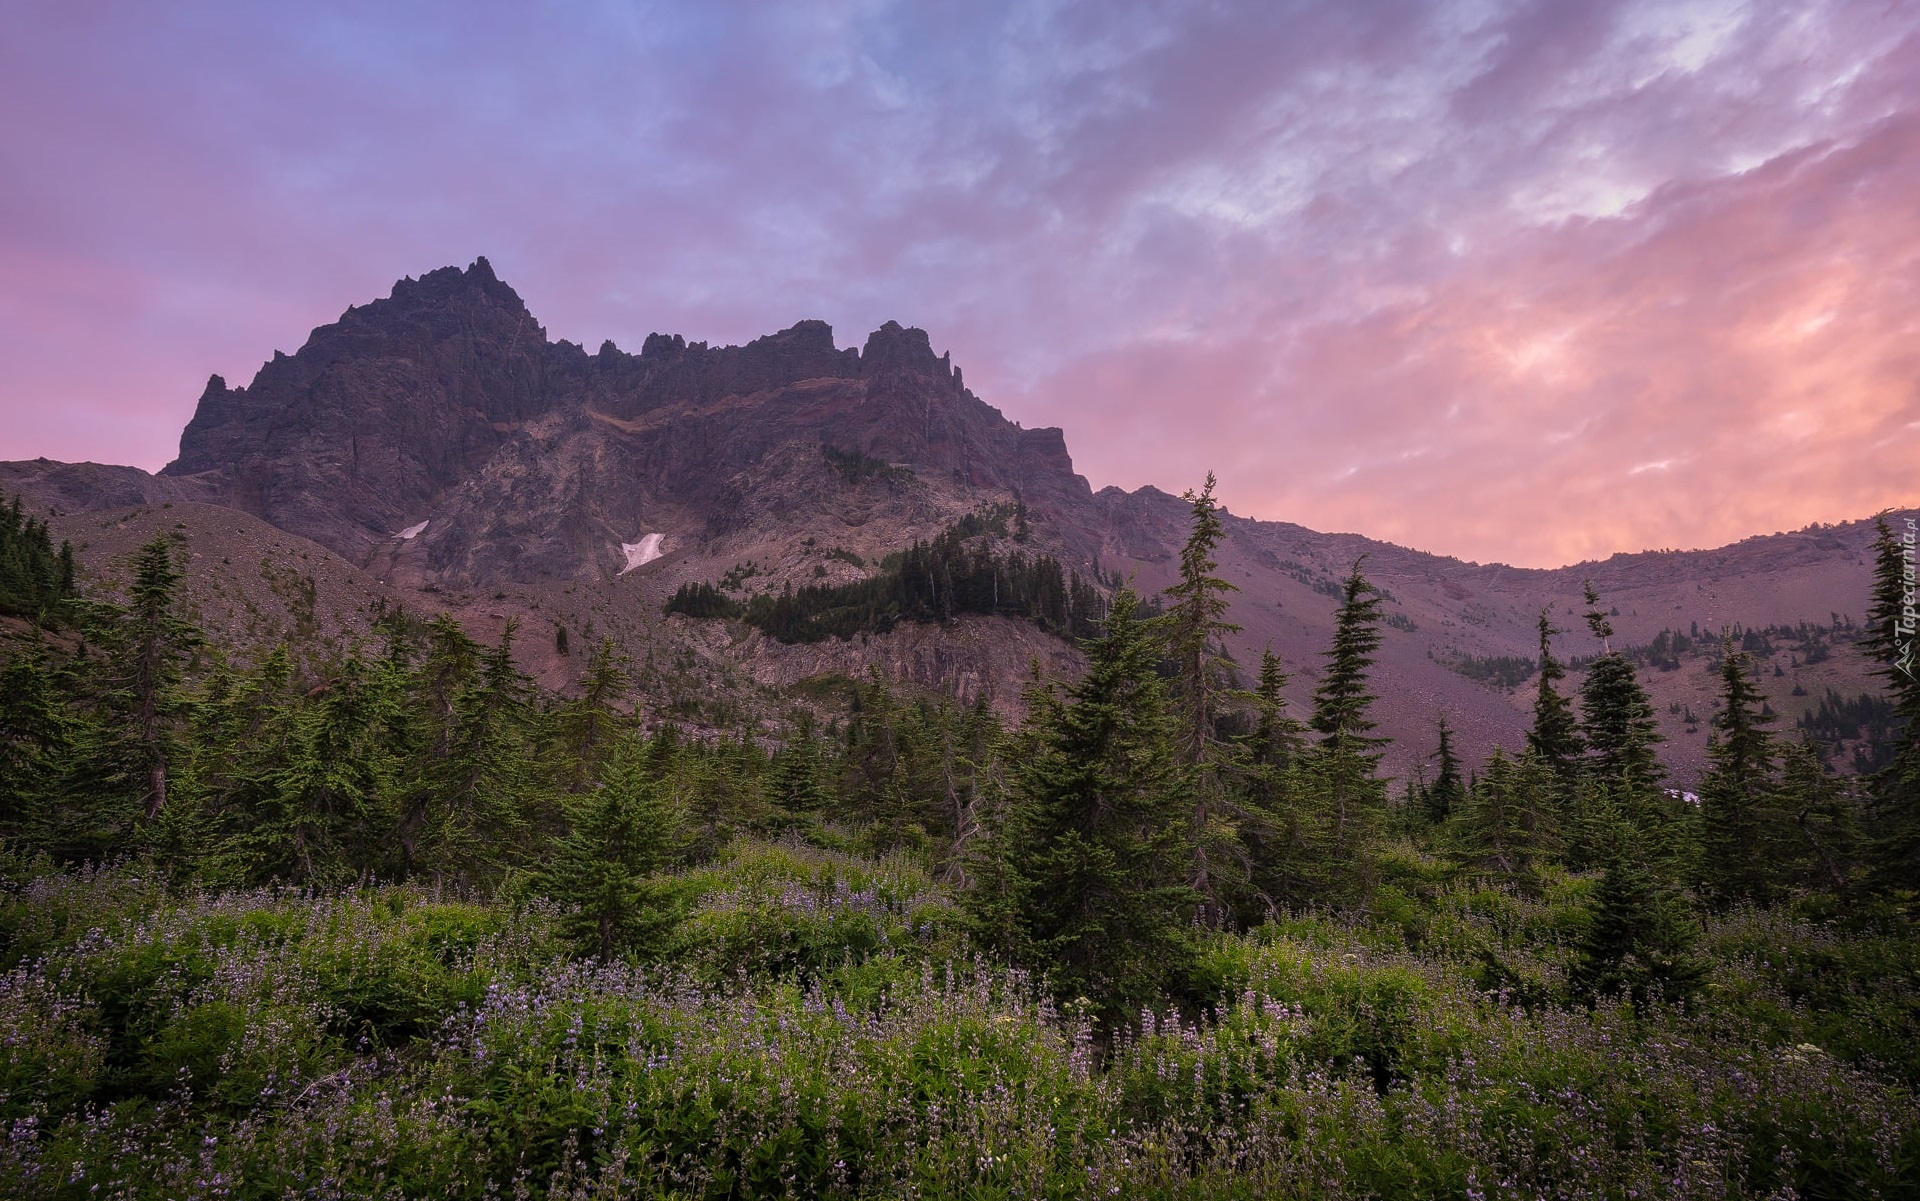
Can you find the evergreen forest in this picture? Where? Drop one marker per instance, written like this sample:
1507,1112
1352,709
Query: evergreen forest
393,922
955,573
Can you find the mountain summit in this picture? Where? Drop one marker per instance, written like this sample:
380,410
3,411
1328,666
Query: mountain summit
446,403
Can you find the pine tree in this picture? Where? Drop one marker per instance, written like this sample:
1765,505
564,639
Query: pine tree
39,733
1739,828
1087,875
1617,719
1891,643
1444,795
1639,942
1505,825
1278,738
1194,625
620,835
1823,818
1346,758
586,726
1555,737
155,644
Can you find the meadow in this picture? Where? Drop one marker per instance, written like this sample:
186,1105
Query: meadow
817,1025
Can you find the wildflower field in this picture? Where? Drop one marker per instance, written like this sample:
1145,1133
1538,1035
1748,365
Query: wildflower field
817,1026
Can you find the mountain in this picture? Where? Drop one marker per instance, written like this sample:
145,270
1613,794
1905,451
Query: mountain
436,449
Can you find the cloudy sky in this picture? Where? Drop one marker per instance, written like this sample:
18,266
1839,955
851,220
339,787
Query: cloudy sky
1525,280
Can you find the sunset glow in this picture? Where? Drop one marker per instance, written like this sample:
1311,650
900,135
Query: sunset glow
1529,282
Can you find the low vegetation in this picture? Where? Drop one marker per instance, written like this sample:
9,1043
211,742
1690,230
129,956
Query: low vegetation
413,929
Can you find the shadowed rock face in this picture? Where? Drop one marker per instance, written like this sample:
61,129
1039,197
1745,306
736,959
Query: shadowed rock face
446,401
379,414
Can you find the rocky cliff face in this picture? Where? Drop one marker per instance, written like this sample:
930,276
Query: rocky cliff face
379,415
528,459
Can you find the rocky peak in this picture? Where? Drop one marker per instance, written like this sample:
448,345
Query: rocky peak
893,347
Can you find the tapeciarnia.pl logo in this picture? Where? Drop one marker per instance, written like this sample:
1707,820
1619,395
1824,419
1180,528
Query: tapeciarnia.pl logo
1903,625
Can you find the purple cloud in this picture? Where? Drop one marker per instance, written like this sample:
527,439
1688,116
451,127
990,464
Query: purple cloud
1526,281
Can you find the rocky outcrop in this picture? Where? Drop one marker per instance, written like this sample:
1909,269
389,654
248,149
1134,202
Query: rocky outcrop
379,414
531,460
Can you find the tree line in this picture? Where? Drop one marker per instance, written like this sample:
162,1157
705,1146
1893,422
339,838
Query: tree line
1157,796
35,580
957,572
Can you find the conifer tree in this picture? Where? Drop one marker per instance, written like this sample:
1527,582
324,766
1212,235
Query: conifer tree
1891,642
1194,625
39,732
1822,814
1087,876
587,725
480,790
1555,737
795,783
1265,797
1639,942
621,833
1505,825
1617,719
1739,828
36,581
1444,795
332,807
1346,757
155,645
969,773
1278,738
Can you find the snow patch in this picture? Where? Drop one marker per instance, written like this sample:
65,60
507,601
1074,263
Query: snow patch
413,531
642,552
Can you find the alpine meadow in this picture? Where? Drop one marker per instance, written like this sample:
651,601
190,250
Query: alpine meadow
388,919
1020,600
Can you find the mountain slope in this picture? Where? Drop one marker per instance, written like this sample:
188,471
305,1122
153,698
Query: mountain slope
447,455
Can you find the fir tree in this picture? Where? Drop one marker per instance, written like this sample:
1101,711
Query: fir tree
36,581
1346,757
795,783
1505,825
479,788
1087,875
136,691
1195,624
332,806
1617,719
242,731
587,725
1639,942
1265,801
1444,795
39,733
620,835
1823,818
1739,829
1891,643
1555,737
1278,738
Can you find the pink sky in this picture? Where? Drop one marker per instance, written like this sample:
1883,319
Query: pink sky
1530,282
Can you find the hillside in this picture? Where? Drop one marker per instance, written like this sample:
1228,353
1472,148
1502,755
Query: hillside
435,449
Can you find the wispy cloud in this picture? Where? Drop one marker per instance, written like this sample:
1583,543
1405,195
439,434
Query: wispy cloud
1452,274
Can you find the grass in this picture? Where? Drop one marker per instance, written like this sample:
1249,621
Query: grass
818,1027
